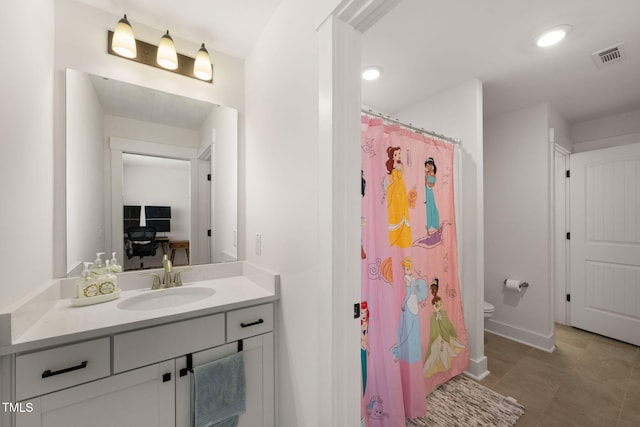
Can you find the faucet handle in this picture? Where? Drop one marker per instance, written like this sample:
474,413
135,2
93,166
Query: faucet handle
177,278
156,280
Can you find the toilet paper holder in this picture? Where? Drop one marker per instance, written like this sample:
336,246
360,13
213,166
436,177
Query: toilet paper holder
522,284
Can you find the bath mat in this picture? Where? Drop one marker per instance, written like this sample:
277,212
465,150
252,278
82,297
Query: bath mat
462,402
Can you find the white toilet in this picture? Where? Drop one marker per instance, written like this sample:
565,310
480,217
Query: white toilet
489,309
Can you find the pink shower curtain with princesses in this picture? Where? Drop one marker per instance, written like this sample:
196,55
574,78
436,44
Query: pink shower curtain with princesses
413,333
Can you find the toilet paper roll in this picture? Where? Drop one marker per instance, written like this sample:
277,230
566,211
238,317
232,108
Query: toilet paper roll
513,285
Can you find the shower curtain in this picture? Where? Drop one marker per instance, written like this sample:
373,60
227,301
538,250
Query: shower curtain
413,336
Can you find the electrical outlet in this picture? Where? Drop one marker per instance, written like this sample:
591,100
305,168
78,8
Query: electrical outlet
235,238
258,244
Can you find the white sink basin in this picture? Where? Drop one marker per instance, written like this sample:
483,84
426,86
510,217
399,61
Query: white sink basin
165,298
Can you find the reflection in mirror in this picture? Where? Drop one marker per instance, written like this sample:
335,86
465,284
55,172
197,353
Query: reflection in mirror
136,155
155,193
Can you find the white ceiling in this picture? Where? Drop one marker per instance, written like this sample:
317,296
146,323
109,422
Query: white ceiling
426,46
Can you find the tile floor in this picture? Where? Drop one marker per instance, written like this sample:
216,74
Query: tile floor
589,380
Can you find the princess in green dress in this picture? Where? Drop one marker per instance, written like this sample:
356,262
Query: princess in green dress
443,345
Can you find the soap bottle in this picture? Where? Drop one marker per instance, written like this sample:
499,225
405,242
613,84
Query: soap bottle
107,282
86,285
115,265
98,265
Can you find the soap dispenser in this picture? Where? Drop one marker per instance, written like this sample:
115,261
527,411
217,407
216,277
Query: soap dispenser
107,282
94,289
115,265
86,285
98,265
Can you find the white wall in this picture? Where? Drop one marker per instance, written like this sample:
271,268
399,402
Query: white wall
26,163
81,43
561,129
605,132
457,113
282,200
518,226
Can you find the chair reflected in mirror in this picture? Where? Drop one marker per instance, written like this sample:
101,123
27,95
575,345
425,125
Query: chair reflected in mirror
141,242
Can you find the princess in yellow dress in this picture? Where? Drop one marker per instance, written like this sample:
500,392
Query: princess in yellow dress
397,202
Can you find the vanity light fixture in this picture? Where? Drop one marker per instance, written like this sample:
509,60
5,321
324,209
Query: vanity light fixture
202,66
163,56
124,42
167,56
553,35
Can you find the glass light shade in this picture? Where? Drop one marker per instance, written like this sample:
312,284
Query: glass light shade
553,36
167,56
202,64
124,42
371,73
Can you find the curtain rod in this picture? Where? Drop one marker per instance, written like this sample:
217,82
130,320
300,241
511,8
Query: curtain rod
413,128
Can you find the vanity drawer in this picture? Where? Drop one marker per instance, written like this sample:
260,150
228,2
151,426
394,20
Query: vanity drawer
146,346
45,371
249,322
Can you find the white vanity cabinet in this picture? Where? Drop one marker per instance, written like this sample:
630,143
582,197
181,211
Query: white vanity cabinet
145,379
258,365
142,397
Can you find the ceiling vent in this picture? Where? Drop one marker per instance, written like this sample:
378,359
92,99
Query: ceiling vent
609,56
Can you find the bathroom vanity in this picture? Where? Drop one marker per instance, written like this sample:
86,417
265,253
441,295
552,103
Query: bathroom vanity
129,361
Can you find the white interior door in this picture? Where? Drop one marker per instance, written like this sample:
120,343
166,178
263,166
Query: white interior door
605,242
561,246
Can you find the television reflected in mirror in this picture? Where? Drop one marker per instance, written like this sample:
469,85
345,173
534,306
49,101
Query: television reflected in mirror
137,156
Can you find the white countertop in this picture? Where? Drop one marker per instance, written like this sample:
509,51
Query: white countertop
64,323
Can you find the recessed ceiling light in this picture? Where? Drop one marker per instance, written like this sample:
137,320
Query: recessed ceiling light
553,36
371,73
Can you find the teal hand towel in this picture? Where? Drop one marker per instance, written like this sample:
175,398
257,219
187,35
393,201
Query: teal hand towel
219,392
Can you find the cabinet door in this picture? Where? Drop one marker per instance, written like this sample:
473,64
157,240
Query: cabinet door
141,397
259,377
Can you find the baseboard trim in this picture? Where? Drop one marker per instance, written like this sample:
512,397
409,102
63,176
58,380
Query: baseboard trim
523,336
477,369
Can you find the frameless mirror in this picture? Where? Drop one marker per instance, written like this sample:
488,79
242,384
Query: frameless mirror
138,157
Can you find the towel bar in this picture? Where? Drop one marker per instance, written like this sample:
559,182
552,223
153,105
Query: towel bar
189,368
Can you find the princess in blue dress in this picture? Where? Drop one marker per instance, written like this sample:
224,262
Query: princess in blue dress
433,217
409,342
